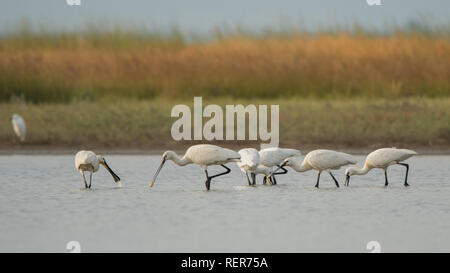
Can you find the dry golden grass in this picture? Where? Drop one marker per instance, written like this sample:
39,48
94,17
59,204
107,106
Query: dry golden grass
77,67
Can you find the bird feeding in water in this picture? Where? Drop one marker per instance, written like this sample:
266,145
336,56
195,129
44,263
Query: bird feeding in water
203,155
274,157
88,161
19,126
321,160
382,159
249,163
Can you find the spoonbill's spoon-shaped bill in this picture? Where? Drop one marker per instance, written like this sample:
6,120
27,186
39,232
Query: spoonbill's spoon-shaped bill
157,171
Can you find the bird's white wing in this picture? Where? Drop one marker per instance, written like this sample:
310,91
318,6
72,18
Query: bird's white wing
327,159
249,158
207,154
19,126
385,156
273,156
84,157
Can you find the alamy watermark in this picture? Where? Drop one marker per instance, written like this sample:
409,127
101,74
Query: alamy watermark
214,128
374,247
373,2
73,247
73,2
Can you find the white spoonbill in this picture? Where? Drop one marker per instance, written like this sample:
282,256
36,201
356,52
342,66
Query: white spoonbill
382,159
273,157
88,161
19,126
321,160
203,155
249,163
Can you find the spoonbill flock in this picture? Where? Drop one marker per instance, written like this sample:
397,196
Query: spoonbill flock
268,162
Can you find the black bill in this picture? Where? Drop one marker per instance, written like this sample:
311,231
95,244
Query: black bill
115,176
347,180
157,172
280,167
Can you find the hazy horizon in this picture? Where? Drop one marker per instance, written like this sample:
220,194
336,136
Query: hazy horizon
201,16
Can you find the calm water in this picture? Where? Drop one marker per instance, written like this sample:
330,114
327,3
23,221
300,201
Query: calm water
43,206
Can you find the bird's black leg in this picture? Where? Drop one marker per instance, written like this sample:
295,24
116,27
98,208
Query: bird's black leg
406,177
318,178
264,180
248,179
208,180
274,180
284,171
254,178
225,172
385,175
335,181
84,180
90,180
282,168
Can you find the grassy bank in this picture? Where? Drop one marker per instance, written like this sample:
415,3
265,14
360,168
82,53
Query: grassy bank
115,90
128,124
93,66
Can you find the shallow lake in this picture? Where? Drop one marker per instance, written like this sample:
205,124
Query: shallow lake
44,205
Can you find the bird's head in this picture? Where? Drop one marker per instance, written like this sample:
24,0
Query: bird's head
100,159
168,155
288,162
349,172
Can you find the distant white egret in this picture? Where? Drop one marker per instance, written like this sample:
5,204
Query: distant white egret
249,163
203,155
273,157
321,160
88,161
19,126
382,159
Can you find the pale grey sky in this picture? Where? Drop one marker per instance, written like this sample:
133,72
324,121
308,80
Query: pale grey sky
203,15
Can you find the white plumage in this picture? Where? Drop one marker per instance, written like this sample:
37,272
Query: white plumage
321,160
88,161
274,157
19,126
203,155
249,159
382,159
250,163
271,157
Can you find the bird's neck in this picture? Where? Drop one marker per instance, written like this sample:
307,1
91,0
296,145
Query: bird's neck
362,170
180,161
303,167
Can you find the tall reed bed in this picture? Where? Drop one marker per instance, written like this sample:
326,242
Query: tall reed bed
68,67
